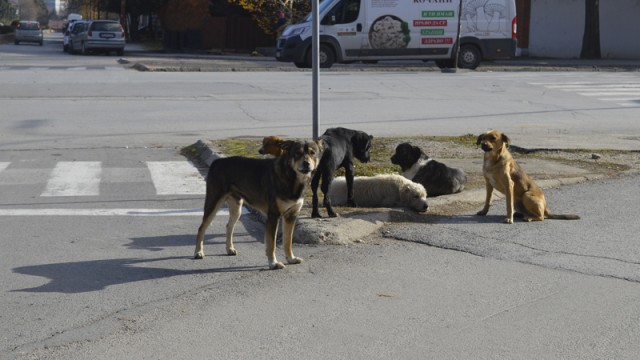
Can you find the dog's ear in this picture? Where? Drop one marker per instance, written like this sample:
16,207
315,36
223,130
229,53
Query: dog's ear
320,145
505,140
480,138
286,145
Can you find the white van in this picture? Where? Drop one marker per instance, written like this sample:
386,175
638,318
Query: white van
373,30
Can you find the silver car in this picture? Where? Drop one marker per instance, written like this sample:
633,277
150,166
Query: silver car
28,31
97,35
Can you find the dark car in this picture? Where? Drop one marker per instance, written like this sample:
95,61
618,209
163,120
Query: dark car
28,31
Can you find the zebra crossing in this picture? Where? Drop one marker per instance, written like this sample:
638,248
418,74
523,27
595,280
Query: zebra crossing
83,178
622,94
87,179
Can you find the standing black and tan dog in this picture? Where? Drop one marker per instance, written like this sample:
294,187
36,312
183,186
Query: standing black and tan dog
436,177
273,186
502,172
340,146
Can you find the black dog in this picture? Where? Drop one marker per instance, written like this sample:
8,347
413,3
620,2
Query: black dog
437,178
273,186
340,147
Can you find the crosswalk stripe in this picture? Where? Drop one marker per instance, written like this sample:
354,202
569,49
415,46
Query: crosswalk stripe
176,178
106,212
624,94
74,178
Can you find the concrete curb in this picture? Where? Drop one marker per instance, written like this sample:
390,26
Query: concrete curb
355,227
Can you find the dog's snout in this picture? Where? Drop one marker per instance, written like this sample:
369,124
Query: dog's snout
485,147
261,151
305,167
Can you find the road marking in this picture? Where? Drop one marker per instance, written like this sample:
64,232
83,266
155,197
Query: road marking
103,212
176,178
109,212
624,94
74,178
4,165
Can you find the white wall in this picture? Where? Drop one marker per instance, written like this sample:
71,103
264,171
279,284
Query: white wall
620,29
557,27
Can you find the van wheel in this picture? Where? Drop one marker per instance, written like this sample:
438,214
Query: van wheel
326,57
469,57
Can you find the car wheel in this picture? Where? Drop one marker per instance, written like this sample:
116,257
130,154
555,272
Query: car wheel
301,65
326,57
16,42
469,57
40,43
120,52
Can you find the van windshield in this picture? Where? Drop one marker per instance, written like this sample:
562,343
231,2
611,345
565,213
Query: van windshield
324,4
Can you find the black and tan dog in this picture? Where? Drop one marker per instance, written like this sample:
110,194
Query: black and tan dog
272,186
436,177
502,172
340,146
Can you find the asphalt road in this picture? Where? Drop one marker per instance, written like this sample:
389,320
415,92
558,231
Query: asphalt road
94,284
465,287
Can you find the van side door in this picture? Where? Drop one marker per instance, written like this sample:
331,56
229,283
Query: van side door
345,22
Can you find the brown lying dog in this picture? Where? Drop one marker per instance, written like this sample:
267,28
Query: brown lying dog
501,172
272,145
272,186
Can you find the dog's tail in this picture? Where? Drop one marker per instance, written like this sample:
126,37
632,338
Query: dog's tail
549,215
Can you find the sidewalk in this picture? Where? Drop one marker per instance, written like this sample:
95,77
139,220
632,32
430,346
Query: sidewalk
148,60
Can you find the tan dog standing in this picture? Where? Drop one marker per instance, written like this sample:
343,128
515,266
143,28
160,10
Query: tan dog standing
502,172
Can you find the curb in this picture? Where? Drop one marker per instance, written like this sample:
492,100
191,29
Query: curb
352,229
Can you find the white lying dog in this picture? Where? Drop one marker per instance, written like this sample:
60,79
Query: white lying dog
380,191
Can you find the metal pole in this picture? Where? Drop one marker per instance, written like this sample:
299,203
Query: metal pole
315,47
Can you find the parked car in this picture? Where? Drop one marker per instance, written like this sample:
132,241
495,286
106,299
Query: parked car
28,31
97,35
67,32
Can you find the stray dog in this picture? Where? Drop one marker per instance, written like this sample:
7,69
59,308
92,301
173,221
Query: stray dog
340,146
502,172
436,177
273,186
272,145
381,191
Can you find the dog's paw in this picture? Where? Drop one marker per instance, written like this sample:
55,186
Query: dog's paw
316,215
199,255
508,221
276,266
232,252
295,260
352,203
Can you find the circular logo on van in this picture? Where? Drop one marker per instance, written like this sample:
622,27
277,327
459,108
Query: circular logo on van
389,32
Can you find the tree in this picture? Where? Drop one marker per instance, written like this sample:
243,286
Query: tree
266,13
33,10
591,37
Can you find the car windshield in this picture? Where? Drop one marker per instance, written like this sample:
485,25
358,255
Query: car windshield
324,4
106,26
28,26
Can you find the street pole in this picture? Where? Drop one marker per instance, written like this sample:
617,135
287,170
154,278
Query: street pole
315,49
